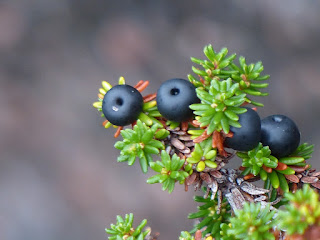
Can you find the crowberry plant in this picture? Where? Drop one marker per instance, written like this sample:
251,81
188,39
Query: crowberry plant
191,129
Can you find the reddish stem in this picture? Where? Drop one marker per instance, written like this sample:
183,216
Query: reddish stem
241,168
185,125
217,142
104,122
202,137
143,86
195,123
118,132
138,84
198,235
248,176
149,97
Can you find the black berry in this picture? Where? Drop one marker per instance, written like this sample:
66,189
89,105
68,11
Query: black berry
281,134
248,135
174,98
122,104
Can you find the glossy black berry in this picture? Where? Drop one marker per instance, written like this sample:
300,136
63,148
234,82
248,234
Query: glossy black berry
281,134
174,98
248,135
122,104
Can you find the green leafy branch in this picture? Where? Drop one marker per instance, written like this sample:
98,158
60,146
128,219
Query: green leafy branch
304,150
260,162
303,211
220,106
246,75
211,219
170,171
216,67
139,142
185,235
203,156
253,222
256,158
123,229
220,65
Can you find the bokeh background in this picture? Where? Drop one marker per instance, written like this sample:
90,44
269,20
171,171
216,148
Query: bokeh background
59,178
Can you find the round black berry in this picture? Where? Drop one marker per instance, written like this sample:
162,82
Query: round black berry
281,134
248,135
122,104
174,98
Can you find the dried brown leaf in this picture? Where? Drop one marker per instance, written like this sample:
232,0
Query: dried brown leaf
292,178
177,143
309,179
216,174
315,174
316,185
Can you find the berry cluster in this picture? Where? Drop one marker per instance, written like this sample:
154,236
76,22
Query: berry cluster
196,126
122,105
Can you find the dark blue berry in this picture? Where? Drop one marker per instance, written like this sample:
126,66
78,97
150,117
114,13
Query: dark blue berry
248,135
281,134
174,98
122,104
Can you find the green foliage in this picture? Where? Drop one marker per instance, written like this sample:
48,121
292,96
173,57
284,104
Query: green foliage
254,159
123,229
304,150
139,142
215,68
170,171
149,113
185,235
224,227
211,218
220,106
223,86
219,65
172,124
246,75
252,223
203,156
302,211
297,158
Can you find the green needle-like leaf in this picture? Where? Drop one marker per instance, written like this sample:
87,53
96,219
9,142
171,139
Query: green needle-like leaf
211,219
123,229
219,106
303,211
252,223
139,142
170,169
254,159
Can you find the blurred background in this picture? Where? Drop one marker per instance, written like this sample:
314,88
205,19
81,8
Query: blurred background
59,178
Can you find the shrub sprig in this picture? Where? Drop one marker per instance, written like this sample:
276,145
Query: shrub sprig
252,223
302,212
170,171
220,106
210,217
139,142
192,152
123,229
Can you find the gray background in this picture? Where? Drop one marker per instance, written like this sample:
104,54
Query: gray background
59,178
